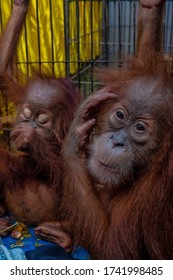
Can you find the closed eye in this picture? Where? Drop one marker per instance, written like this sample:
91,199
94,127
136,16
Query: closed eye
43,118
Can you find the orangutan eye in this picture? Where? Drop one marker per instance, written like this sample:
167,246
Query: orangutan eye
140,127
43,118
27,113
118,117
141,131
121,115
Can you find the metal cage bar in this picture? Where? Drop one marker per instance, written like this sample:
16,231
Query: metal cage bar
95,33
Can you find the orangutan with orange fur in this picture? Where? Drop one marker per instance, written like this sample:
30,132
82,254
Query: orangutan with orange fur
31,181
120,143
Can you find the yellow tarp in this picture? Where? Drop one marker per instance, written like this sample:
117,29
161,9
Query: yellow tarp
42,41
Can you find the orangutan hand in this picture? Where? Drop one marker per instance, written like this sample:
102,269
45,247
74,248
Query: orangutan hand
55,233
152,3
21,2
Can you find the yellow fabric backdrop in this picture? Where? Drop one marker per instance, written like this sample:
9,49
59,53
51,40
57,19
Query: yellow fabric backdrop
42,39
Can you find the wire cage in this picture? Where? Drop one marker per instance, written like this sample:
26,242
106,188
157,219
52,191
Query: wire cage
105,40
72,37
117,35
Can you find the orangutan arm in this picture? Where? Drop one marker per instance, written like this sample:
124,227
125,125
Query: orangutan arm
79,192
10,35
149,28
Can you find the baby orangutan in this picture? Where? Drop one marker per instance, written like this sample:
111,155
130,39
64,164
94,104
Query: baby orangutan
31,180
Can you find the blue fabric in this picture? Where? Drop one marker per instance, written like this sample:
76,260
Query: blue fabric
12,254
48,252
41,249
29,243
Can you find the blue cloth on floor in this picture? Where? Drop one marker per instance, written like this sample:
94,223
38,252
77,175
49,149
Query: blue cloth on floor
12,254
42,248
48,252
